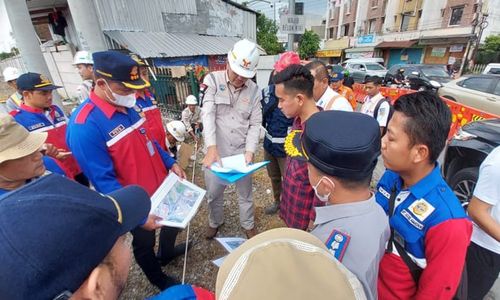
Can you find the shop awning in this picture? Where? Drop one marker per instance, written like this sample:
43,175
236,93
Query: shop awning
360,49
396,44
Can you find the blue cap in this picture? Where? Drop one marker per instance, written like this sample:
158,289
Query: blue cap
336,76
34,81
119,67
338,143
54,232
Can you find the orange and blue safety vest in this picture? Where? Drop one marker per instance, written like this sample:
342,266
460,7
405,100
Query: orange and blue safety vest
52,121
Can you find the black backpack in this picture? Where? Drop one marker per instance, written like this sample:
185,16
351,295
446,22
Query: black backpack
391,112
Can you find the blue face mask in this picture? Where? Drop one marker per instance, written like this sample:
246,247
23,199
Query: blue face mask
323,198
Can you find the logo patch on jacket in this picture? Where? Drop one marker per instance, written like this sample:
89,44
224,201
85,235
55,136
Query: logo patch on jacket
412,220
337,243
36,126
421,209
116,131
384,192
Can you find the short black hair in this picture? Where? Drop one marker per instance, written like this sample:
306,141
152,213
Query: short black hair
296,78
374,79
319,67
348,183
429,120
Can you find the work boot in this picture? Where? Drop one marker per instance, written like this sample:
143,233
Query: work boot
250,233
271,210
211,232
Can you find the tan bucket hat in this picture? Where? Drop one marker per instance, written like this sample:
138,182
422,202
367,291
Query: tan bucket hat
16,141
285,263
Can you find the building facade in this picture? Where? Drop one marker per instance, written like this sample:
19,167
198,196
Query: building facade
407,31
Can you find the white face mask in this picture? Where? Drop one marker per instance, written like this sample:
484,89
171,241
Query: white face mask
323,198
120,100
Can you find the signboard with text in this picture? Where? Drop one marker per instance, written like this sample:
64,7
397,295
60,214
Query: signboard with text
292,24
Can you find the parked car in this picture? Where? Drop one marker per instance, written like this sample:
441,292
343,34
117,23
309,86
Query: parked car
359,69
420,77
492,69
465,153
479,91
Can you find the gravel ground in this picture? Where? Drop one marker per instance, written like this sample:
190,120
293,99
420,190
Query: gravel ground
200,270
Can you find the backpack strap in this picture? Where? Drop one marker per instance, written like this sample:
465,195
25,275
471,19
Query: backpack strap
415,270
330,103
377,107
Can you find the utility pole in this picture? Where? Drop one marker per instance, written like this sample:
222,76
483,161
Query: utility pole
291,12
473,41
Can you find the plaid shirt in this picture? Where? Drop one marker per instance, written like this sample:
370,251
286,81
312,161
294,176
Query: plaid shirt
297,197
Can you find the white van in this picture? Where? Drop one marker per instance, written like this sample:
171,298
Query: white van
378,60
492,69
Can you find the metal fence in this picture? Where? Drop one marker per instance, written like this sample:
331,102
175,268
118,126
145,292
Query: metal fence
171,92
477,69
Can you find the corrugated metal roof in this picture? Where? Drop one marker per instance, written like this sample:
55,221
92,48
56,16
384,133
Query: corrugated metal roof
163,44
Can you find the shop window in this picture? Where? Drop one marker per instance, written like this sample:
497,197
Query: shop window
456,15
347,7
374,3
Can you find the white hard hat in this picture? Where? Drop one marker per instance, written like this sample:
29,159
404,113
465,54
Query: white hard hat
243,58
10,73
83,57
191,100
177,129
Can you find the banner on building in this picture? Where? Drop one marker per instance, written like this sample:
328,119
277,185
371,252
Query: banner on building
456,48
438,51
329,53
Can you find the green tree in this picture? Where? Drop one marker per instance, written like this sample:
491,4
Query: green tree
492,44
266,35
308,45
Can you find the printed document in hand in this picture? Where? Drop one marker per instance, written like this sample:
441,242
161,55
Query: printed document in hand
176,201
234,168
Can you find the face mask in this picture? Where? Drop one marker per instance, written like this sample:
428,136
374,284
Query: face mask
120,100
323,198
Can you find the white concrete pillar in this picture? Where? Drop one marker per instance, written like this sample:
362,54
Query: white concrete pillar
87,25
26,40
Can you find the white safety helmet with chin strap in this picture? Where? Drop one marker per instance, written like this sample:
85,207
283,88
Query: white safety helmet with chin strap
191,100
243,58
177,129
83,57
10,73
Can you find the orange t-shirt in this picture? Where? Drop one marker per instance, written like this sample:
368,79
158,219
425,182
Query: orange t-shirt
348,94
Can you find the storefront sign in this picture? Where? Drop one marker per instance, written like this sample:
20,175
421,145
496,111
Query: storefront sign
329,53
366,39
438,51
451,60
359,54
456,48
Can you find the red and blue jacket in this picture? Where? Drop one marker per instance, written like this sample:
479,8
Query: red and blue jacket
154,122
115,148
432,227
54,122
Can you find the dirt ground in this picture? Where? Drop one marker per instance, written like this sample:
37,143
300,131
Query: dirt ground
200,269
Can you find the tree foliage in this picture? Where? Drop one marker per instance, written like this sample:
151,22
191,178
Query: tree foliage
13,52
492,43
266,35
308,45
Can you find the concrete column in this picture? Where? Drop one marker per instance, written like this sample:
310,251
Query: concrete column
87,25
25,36
27,40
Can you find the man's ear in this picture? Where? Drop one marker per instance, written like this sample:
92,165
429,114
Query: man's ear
92,287
420,153
300,99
